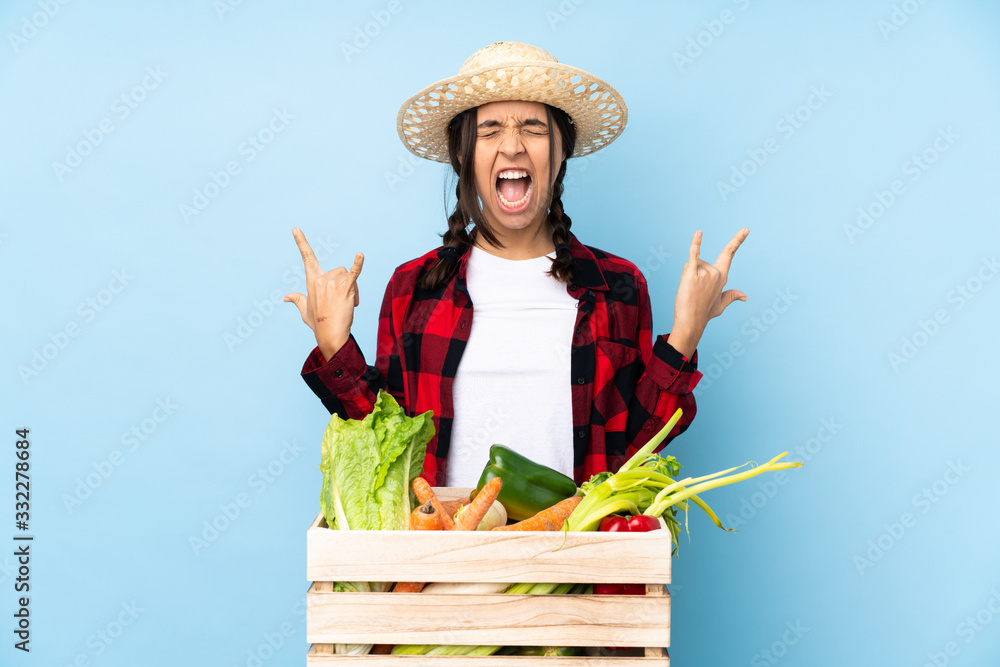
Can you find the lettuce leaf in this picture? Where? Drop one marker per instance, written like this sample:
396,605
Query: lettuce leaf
369,466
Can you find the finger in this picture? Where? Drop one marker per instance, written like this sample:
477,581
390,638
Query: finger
695,247
731,295
299,300
355,270
727,254
728,297
308,257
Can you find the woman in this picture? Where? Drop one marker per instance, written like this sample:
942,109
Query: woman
559,362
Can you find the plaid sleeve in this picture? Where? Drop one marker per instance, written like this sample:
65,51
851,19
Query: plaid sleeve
665,384
346,384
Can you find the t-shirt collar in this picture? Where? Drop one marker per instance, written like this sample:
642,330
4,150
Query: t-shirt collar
588,273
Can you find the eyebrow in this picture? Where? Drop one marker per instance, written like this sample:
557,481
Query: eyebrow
493,123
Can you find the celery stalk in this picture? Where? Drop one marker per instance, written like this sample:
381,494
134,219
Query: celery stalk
411,649
648,448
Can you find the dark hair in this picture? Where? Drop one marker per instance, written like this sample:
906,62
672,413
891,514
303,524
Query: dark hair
462,142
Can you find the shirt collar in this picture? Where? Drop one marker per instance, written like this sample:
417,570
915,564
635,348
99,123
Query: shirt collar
588,273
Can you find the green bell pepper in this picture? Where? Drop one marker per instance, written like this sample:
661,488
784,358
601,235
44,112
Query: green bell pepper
528,487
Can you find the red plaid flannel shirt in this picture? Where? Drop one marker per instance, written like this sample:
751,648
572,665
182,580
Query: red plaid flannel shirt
625,385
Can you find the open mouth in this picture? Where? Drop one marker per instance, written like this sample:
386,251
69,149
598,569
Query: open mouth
514,188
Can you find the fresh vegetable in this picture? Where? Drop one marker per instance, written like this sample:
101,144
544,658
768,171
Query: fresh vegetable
551,518
528,487
496,516
645,485
639,523
426,494
409,586
550,651
369,464
470,516
432,649
470,587
620,524
452,506
425,517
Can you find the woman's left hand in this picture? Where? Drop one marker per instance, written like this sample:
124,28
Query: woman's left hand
700,296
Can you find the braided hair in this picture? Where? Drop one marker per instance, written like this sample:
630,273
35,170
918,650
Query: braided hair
462,142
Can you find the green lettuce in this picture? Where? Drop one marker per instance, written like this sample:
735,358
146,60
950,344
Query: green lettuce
369,466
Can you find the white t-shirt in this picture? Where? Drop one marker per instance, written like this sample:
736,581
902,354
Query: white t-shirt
513,383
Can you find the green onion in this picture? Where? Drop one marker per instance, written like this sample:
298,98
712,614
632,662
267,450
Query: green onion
646,485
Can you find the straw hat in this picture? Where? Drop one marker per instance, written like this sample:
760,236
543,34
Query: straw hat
512,71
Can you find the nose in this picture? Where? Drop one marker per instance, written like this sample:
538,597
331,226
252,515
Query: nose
511,144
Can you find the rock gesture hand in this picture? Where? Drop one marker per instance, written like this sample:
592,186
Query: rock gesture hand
700,296
328,308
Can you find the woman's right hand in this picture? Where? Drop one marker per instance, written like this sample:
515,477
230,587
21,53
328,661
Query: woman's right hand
332,296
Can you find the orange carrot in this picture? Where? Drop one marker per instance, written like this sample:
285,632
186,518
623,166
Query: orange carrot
408,587
550,518
425,493
477,509
425,517
452,506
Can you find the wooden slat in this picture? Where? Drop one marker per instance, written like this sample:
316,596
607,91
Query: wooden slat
452,492
531,557
500,619
318,659
656,589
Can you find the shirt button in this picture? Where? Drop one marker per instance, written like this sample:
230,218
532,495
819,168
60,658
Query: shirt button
590,292
339,373
581,434
581,381
461,324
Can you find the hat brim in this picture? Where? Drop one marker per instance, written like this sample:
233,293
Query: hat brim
597,109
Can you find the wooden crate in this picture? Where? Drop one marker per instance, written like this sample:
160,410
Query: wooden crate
493,620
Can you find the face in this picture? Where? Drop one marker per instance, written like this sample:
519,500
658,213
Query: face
513,139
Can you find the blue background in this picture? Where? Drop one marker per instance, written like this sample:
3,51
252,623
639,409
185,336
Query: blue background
820,552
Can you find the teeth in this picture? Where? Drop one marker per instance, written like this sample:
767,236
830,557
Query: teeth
519,201
512,174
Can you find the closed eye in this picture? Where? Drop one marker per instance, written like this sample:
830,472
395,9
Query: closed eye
496,132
